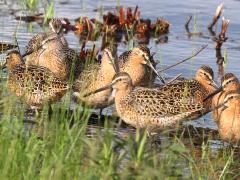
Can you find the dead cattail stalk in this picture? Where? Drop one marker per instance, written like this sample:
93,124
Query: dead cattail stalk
129,15
121,16
187,24
89,25
220,61
134,20
225,23
135,13
187,28
137,17
216,16
222,36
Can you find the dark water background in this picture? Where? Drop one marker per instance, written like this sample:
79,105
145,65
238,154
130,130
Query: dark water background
179,45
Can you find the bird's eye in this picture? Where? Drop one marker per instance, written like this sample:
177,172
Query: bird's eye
229,82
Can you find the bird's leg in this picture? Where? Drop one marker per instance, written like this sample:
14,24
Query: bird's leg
50,110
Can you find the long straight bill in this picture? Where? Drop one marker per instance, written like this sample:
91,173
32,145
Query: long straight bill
155,71
214,93
99,90
219,106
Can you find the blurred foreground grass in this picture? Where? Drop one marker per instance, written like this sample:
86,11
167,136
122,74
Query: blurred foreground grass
65,146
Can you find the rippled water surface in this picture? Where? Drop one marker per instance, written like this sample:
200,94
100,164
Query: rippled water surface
179,45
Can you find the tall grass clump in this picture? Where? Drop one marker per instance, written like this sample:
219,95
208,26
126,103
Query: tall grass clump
49,11
31,6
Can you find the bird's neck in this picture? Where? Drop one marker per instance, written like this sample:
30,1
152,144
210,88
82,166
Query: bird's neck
206,85
13,64
107,71
121,94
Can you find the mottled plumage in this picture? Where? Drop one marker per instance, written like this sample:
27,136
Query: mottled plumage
6,46
55,28
136,63
93,77
164,106
54,53
50,50
124,57
229,82
36,84
59,61
229,117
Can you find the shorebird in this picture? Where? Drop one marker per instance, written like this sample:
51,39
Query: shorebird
139,64
135,62
229,82
96,76
197,89
59,61
50,50
161,107
229,117
55,32
36,84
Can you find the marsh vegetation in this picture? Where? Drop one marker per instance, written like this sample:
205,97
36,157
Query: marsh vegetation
75,142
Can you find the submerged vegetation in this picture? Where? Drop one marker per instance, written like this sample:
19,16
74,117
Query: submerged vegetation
74,143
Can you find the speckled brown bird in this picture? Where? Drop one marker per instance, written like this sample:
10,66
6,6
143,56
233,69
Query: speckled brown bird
139,64
229,82
59,61
229,117
96,76
55,32
161,107
36,84
51,50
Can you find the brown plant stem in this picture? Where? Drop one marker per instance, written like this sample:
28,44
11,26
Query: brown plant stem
220,61
187,28
187,24
216,16
222,36
182,61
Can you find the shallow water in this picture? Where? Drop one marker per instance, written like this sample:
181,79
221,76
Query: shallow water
179,45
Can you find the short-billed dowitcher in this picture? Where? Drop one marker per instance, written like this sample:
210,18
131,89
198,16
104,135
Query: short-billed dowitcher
194,91
229,117
36,84
55,28
229,82
161,107
138,64
59,61
96,76
49,49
